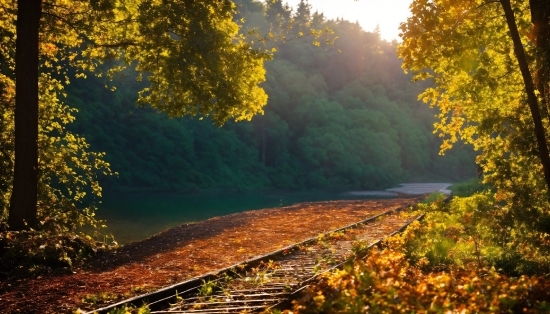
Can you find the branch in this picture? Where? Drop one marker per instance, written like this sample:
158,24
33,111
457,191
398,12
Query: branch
64,20
117,45
532,100
487,3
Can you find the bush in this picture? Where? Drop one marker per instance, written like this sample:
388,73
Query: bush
466,256
24,253
387,283
434,197
67,188
457,234
469,188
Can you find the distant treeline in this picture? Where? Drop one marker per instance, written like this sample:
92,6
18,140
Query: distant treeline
339,116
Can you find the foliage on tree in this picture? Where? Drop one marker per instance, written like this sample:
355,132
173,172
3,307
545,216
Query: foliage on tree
67,169
189,52
68,187
488,61
339,116
483,90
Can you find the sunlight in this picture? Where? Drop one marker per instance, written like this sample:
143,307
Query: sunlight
388,14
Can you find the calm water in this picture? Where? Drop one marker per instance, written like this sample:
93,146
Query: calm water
132,217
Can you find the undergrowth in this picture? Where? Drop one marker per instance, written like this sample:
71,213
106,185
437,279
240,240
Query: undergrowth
465,256
386,282
469,188
32,252
434,197
68,188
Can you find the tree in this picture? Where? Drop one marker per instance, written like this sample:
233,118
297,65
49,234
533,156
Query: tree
482,56
190,52
519,51
25,183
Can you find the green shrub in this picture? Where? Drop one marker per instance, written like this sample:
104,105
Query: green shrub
67,189
387,283
455,235
458,259
434,197
469,188
24,253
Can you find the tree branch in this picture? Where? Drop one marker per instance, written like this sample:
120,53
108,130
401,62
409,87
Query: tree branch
117,45
530,90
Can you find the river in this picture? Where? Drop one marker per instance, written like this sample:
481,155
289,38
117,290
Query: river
133,217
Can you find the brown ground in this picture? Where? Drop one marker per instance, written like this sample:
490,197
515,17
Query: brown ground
182,253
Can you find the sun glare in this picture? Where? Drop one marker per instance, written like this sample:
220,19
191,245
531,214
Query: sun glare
387,14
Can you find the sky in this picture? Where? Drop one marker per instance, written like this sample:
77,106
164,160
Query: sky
388,14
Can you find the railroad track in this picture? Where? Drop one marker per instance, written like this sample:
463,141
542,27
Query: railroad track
270,281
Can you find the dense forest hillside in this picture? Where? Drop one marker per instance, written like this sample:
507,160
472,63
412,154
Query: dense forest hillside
339,116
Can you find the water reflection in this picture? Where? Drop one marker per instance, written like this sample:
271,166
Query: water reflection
132,217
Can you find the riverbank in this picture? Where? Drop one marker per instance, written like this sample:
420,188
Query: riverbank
182,253
407,189
134,217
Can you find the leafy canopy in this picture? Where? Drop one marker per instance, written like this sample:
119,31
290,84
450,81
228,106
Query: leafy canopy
465,48
190,52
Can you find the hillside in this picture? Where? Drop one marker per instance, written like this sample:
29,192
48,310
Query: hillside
339,116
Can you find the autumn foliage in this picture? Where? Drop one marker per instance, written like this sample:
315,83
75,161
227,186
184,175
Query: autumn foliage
463,257
386,282
487,253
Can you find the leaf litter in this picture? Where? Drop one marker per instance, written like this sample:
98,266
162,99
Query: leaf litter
181,253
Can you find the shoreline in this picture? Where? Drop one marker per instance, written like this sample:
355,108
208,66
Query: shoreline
407,189
183,252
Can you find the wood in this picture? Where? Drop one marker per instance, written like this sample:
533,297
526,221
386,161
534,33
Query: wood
540,35
532,100
23,202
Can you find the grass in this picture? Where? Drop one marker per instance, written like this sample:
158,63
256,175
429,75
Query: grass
131,310
100,298
469,188
207,288
434,197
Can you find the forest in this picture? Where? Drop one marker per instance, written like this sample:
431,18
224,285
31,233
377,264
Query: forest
340,116
144,96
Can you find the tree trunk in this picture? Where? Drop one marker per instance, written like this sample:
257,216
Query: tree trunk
540,35
530,89
23,207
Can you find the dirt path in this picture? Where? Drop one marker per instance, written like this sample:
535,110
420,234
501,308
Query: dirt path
267,285
181,253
